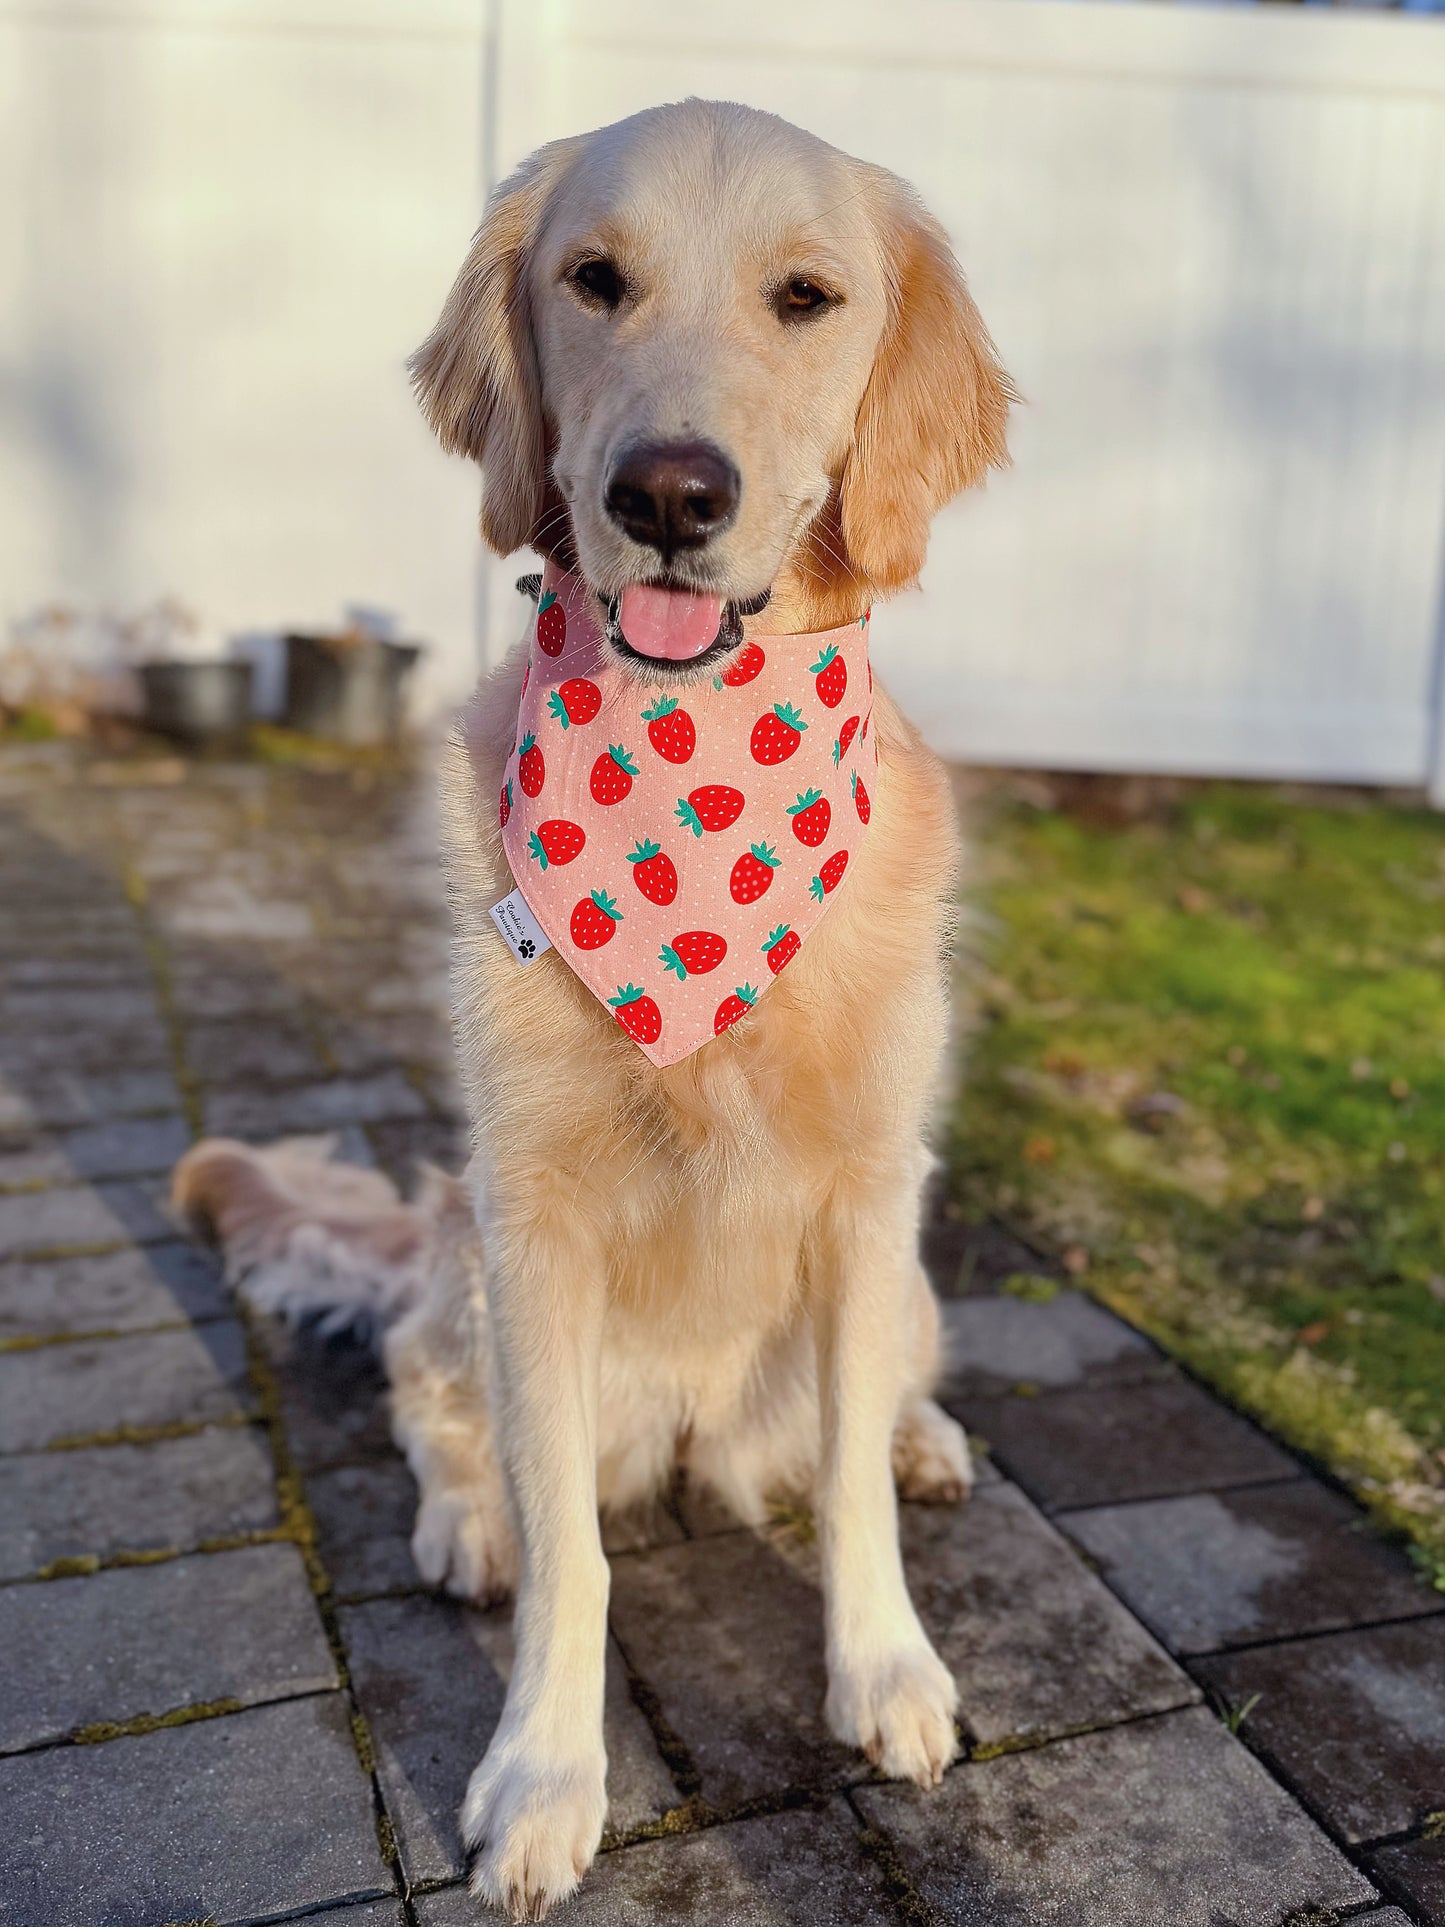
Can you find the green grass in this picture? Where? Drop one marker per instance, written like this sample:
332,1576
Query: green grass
1209,1073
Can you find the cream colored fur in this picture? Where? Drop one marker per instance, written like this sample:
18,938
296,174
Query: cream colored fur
713,1264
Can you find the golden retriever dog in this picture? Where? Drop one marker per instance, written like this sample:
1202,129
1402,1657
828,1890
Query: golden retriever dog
712,1264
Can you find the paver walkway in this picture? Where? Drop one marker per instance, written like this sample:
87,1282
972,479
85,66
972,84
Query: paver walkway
223,1695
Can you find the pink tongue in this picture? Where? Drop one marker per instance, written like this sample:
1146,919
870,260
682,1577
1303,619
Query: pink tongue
669,623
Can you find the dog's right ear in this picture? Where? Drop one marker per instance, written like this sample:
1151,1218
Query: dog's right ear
476,373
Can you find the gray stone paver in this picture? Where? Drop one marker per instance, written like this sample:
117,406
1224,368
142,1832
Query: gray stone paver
225,1626
1356,1720
1137,1441
272,1050
174,1494
133,1147
312,1107
993,1344
33,1221
729,1636
261,1814
431,1676
123,1148
74,1391
364,1517
1218,1569
1414,1870
56,1098
109,1291
1036,1643
1165,1821
805,1869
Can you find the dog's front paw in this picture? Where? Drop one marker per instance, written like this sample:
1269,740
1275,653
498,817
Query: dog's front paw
466,1545
899,1709
531,1824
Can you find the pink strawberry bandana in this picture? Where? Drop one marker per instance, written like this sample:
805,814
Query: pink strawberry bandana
677,845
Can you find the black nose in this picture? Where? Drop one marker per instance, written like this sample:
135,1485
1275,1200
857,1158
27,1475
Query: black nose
673,495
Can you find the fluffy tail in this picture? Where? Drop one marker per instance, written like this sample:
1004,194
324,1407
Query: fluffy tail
315,1241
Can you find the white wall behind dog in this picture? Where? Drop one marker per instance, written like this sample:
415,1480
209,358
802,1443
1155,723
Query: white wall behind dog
224,224
1211,243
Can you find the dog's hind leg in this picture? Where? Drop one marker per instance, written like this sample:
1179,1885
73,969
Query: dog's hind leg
436,1360
930,1450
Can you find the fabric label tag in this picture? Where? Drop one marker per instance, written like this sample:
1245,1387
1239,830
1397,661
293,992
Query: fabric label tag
524,936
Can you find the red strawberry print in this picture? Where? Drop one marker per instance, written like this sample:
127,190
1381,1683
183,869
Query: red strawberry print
752,874
776,734
864,736
670,730
781,945
505,807
594,920
861,801
637,1013
577,701
749,664
830,876
714,807
811,814
846,735
731,1008
531,770
832,673
612,775
693,953
526,676
655,873
551,626
556,841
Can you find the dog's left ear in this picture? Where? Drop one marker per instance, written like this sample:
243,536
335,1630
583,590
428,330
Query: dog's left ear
476,373
934,415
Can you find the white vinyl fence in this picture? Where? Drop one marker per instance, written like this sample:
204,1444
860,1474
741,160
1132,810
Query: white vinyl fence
1210,243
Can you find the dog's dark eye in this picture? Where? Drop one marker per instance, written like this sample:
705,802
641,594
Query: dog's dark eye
599,280
799,297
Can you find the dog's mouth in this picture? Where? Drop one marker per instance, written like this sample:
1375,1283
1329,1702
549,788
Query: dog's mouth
672,626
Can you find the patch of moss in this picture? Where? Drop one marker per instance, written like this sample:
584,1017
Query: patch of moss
147,1434
1031,1286
103,1730
27,725
1209,1074
292,749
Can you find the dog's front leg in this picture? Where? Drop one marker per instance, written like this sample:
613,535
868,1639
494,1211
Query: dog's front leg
534,1809
888,1691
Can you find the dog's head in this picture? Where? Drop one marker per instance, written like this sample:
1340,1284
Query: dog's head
700,355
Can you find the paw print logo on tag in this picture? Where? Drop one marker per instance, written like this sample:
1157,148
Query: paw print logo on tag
526,948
